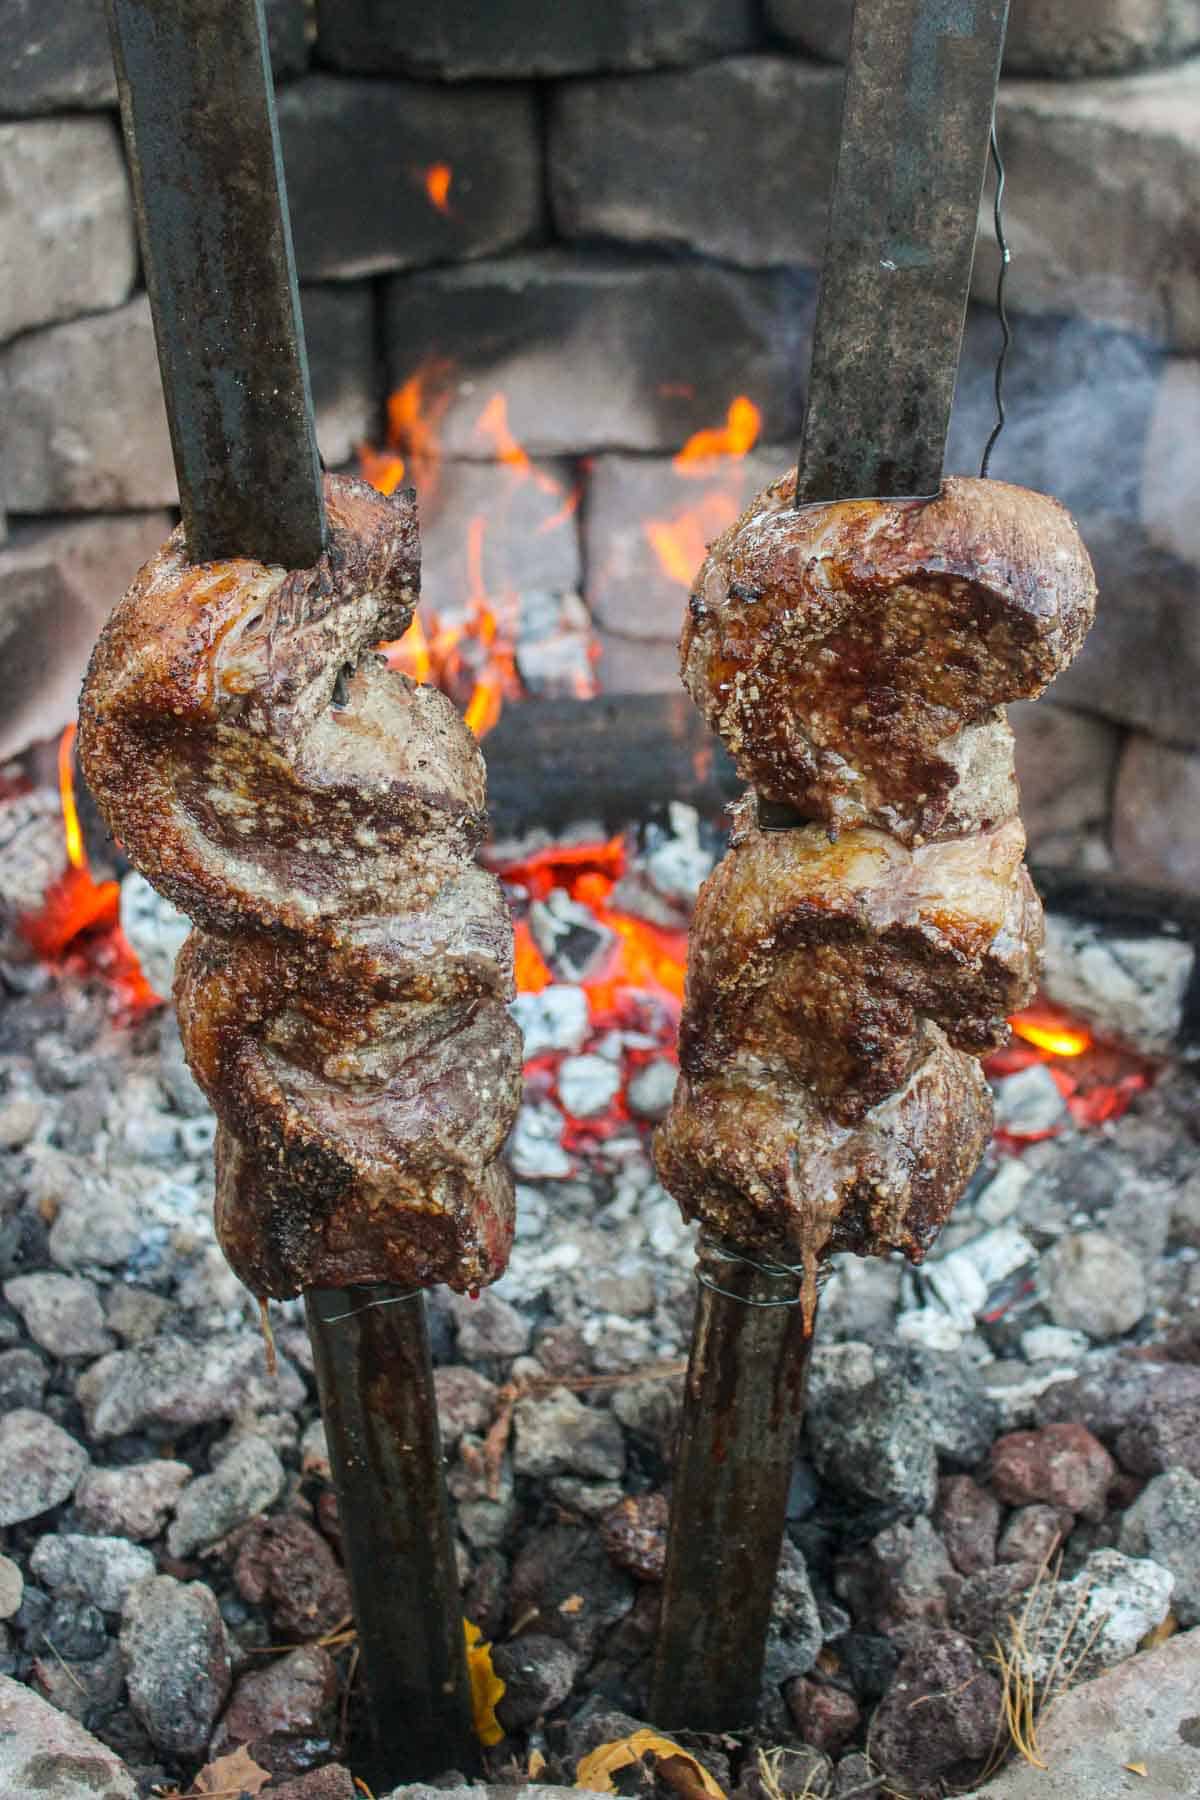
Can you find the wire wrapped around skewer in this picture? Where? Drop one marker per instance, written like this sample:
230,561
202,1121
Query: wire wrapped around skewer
845,975
343,998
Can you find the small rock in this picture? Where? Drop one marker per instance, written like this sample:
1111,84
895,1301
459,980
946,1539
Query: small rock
967,1519
1062,1464
912,1579
1118,1392
95,1221
102,1569
957,1409
75,1627
1093,1284
40,1465
649,1411
795,1632
44,1753
587,1085
244,1483
569,935
314,1449
635,1535
538,1673
130,1502
939,1719
134,1313
826,1717
23,1377
62,1313
535,1149
1016,1388
873,1441
1099,1617
288,1566
1052,1343
171,1384
564,1580
1166,1438
82,1688
333,1782
488,1327
285,1714
1164,1524
1029,1102
587,1499
466,1401
985,1602
1033,1534
652,1088
560,1435
12,1587
178,1663
856,1779
556,1018
19,1119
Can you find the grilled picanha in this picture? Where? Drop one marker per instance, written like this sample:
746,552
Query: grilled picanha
343,998
845,974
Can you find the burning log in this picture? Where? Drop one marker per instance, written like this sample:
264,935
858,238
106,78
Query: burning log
846,971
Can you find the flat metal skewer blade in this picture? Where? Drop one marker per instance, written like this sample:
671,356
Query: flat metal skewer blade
198,109
917,115
375,1378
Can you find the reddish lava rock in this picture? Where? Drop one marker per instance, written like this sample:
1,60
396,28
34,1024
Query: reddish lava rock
824,1716
287,1564
333,1782
1062,1464
1034,1533
1167,1438
634,1533
967,1518
938,1720
286,1713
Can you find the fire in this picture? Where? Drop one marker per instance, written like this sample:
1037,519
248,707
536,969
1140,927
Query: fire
79,917
437,185
1055,1033
681,541
1098,1081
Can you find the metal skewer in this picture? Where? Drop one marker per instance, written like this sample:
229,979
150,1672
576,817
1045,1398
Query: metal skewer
917,115
198,108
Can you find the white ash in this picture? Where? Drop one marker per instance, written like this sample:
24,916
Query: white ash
569,936
1029,1101
588,1085
555,1018
1128,989
155,929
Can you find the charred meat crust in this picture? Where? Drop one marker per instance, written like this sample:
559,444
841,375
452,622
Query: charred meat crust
841,651
343,1000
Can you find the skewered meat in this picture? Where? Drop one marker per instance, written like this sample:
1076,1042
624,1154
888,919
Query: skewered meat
343,997
844,974
854,657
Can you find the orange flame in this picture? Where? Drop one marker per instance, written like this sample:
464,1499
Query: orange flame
739,434
66,794
1055,1039
413,447
437,185
681,543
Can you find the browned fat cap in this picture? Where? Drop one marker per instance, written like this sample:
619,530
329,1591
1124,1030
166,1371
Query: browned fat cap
854,657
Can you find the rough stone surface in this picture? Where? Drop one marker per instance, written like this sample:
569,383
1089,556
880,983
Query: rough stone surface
170,1384
1166,1437
634,1533
1143,1712
488,1327
454,39
339,335
62,1314
243,1483
1045,37
795,1632
44,1753
466,1401
178,1663
23,1377
651,1089
1033,1534
1062,1464
1093,1284
826,1717
528,547
356,154
288,1566
1066,762
961,1418
967,1518
12,1587
560,1435
1104,186
1113,1601
103,1569
133,1501
911,1579
569,1563
39,1465
66,224
57,586
333,1782
605,134
1164,1524
85,424
1154,805
1119,1392
938,1720
537,1672
870,1436
285,1713
597,352
1126,988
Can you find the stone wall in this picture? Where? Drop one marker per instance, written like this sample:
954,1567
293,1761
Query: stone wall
629,238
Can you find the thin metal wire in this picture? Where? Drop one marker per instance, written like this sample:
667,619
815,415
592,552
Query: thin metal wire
769,1266
391,1300
1001,307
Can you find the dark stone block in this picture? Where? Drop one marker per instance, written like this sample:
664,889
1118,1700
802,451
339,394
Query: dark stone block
56,54
339,331
742,154
453,39
599,352
357,155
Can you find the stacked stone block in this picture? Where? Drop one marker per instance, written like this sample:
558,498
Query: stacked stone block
629,237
